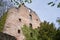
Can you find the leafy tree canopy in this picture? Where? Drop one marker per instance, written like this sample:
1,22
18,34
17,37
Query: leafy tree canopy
46,31
53,3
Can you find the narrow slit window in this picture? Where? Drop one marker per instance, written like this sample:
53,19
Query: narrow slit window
31,34
30,25
30,17
18,31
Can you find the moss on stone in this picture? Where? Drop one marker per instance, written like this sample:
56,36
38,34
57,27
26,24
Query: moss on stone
2,21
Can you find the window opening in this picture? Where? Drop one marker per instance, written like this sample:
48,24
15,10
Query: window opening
20,20
30,17
30,25
18,31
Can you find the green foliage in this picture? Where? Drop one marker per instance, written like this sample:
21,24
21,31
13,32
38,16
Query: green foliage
51,3
2,21
29,33
58,20
21,1
54,3
58,5
46,31
57,36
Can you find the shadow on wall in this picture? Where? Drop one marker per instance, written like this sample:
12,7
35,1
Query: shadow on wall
4,36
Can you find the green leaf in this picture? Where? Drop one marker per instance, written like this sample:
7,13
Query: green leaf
16,2
53,4
58,5
58,20
50,3
29,1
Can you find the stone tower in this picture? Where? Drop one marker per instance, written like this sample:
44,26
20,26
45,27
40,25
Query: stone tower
17,17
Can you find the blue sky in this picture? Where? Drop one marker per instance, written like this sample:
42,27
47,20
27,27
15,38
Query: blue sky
44,11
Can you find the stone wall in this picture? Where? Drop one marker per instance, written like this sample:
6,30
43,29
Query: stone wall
17,17
4,36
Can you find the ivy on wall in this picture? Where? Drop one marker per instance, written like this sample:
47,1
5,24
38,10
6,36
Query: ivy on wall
29,33
2,21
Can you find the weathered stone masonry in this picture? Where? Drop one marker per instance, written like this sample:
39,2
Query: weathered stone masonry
17,17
